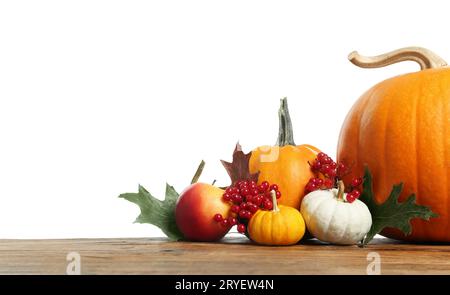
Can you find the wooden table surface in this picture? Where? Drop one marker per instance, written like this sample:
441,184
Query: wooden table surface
231,256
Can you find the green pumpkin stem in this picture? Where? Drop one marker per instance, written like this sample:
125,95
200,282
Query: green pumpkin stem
285,133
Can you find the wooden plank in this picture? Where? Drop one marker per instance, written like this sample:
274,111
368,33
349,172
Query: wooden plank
232,256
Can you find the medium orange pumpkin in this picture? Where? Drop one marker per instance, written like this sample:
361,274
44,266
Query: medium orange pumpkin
400,128
286,163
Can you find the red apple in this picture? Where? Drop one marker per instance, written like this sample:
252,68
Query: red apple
195,210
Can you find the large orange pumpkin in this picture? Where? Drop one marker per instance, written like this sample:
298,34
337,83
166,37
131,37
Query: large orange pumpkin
286,163
400,128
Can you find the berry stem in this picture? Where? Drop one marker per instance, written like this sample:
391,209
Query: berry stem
341,190
285,132
273,194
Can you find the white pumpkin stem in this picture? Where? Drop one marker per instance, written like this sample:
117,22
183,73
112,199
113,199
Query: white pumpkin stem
341,190
424,57
273,194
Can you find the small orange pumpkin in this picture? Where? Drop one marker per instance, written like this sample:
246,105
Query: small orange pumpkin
281,226
400,128
286,163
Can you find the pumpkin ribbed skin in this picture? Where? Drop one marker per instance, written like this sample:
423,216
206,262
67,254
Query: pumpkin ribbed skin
400,128
335,221
290,170
281,228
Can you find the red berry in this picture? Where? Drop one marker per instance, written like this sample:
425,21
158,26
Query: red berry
278,194
226,197
252,183
234,190
249,198
326,160
232,221
265,185
261,189
317,181
245,191
268,205
253,208
248,214
310,187
242,213
273,187
224,223
316,165
243,206
257,200
236,198
356,181
254,192
241,228
350,198
268,195
328,183
218,217
333,165
325,168
235,208
356,193
321,156
331,172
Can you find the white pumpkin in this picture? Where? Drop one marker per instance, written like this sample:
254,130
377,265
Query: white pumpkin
330,218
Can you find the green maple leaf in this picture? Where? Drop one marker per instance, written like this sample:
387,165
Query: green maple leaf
156,212
391,213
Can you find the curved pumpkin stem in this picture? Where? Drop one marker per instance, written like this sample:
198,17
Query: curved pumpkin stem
424,57
285,132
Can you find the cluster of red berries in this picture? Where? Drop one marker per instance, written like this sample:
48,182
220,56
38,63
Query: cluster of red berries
316,183
332,172
329,168
354,193
246,197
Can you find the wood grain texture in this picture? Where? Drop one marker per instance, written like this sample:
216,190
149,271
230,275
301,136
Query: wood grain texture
159,256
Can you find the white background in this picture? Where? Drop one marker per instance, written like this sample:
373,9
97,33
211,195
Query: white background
98,96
